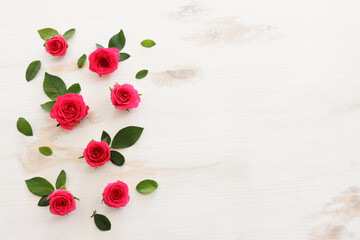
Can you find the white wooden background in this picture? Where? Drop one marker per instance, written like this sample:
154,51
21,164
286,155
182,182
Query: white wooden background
251,113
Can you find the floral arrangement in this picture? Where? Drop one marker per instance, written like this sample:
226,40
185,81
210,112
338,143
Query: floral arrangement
68,108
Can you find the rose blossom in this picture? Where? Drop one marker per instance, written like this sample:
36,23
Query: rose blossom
125,96
68,110
97,153
104,60
56,46
61,202
116,194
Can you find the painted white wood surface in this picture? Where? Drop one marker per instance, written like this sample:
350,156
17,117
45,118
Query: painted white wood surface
251,113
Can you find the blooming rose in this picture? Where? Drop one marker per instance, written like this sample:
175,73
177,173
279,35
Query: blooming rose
68,110
116,194
104,60
124,96
56,46
97,153
61,202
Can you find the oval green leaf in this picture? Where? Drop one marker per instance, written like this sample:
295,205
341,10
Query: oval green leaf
43,202
47,33
118,40
53,86
105,137
81,61
48,106
147,186
39,186
98,45
32,70
24,127
148,43
61,180
127,137
69,33
75,88
124,56
141,74
45,151
102,222
117,158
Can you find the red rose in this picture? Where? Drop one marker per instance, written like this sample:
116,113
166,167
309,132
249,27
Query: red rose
116,194
97,153
68,110
104,60
56,46
61,202
125,96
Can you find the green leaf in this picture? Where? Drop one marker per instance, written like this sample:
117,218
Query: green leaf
32,70
99,45
102,222
141,74
53,86
24,127
48,106
61,180
146,186
69,33
127,137
118,40
75,88
43,202
117,158
47,33
45,151
39,186
81,61
105,137
148,43
124,56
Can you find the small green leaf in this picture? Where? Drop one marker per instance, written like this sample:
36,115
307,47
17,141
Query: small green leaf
146,186
124,56
105,137
32,70
102,222
127,137
141,74
48,106
45,151
24,127
81,61
47,33
69,33
53,86
75,88
39,186
118,40
117,158
61,180
148,43
43,202
99,45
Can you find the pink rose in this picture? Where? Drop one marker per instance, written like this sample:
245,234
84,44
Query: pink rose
104,60
97,153
61,202
56,46
116,194
125,96
68,110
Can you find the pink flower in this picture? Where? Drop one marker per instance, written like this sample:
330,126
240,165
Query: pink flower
125,97
56,46
97,153
68,110
104,60
61,202
116,194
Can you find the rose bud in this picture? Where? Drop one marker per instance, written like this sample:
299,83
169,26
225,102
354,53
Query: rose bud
104,60
97,153
125,97
68,110
116,194
56,46
61,202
